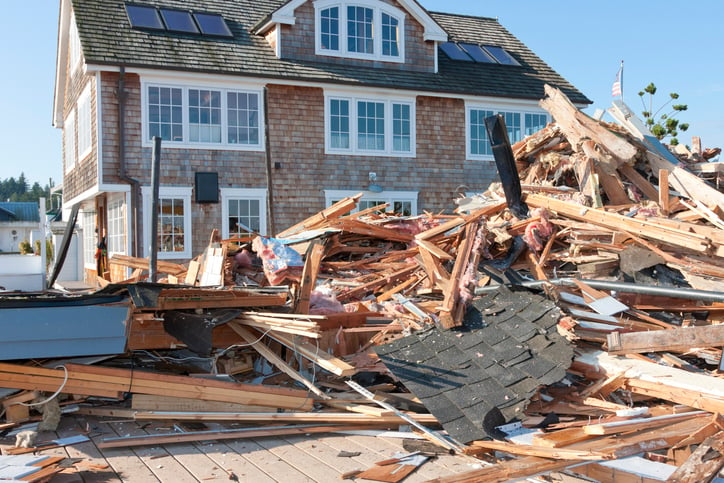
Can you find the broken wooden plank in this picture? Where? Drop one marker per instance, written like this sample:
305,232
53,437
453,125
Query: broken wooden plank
637,424
676,340
539,451
315,354
313,260
338,209
704,463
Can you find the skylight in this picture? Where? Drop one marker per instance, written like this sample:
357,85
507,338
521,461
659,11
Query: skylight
212,24
173,20
143,17
484,54
455,52
179,21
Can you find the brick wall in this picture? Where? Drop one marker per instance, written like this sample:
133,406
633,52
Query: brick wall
298,42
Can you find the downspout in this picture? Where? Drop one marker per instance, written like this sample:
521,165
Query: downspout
269,170
135,184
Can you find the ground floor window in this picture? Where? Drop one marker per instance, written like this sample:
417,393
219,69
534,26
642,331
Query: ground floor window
243,212
88,225
116,236
400,202
174,222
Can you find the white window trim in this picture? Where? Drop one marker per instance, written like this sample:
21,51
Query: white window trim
389,197
74,48
389,141
378,8
183,192
85,143
496,109
186,144
88,225
111,202
70,142
243,194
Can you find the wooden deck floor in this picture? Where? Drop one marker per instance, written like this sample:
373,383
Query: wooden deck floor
313,458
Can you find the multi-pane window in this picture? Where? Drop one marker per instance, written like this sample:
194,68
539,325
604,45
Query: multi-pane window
204,116
74,44
329,28
399,202
243,111
244,217
534,123
373,31
116,236
165,113
88,224
359,30
339,124
84,123
171,214
174,221
243,212
193,116
69,141
401,129
368,126
517,125
390,35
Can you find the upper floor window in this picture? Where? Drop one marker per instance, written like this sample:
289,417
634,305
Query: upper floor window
69,141
84,123
74,40
203,117
365,29
372,126
518,125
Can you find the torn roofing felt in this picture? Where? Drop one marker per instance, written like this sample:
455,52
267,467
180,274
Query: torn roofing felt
506,348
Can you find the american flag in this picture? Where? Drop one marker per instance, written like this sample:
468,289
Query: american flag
616,89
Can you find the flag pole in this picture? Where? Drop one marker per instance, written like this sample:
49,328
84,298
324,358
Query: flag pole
621,79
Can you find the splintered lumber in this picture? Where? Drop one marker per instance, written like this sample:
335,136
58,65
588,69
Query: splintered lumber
315,252
338,209
514,469
298,324
539,451
110,382
274,359
695,390
199,298
315,354
325,417
153,439
142,263
637,424
614,221
148,402
578,127
452,309
677,340
704,463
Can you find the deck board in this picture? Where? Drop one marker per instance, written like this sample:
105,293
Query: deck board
289,459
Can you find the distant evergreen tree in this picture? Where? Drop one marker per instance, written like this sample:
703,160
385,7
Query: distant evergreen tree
12,189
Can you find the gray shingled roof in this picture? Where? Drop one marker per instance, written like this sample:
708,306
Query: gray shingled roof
107,39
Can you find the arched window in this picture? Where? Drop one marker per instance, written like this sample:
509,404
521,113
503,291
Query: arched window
361,29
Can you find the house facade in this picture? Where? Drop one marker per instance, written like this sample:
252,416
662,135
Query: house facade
270,110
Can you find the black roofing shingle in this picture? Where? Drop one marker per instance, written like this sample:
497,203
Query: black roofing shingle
482,369
107,39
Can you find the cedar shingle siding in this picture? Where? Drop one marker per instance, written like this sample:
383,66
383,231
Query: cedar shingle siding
295,85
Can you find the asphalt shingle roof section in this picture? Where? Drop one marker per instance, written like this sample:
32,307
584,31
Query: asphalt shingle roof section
108,39
507,347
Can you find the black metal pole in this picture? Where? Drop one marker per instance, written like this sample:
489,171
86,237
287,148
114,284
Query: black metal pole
505,161
155,182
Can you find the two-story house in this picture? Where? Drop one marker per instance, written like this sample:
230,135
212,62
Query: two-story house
271,110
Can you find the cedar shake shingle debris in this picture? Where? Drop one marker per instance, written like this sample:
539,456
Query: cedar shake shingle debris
591,326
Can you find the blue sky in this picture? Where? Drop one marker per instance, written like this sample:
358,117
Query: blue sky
675,45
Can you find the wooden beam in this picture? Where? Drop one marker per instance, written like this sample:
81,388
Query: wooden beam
270,355
315,253
293,417
315,354
664,199
338,209
676,340
704,463
637,424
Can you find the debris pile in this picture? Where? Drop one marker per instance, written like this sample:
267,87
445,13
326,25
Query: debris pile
569,317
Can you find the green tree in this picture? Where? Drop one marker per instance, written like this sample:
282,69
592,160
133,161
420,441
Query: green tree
663,124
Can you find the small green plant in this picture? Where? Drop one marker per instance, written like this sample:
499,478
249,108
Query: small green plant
665,124
25,247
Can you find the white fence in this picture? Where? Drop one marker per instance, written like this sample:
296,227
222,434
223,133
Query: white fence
21,272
